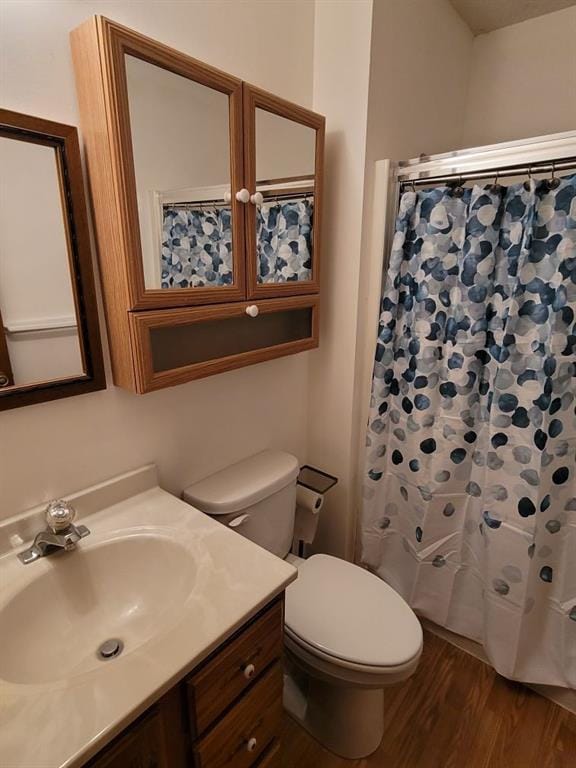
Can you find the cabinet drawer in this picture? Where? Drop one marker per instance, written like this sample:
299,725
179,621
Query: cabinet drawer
177,345
248,729
234,669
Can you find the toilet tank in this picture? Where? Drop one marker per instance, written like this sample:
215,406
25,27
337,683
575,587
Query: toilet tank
255,497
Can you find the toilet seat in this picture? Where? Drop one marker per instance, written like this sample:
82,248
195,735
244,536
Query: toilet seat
348,617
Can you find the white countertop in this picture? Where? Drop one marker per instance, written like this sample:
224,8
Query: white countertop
63,722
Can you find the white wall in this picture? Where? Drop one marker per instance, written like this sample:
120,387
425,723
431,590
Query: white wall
523,80
419,71
435,88
391,76
341,71
374,97
196,428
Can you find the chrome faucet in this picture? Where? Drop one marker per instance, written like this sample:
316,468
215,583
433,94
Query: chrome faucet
60,533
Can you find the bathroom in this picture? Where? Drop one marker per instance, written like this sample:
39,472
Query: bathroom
487,679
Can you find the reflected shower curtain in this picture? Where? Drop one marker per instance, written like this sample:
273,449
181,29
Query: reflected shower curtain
469,506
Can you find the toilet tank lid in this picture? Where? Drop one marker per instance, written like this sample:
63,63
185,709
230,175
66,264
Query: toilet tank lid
243,484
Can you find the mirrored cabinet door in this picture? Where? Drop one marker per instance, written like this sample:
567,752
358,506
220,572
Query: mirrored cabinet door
176,151
180,135
283,154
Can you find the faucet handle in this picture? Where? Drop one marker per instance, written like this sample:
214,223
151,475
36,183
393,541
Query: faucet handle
59,515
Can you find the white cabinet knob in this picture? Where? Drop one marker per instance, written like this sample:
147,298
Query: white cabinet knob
249,670
257,198
227,196
252,310
251,744
243,196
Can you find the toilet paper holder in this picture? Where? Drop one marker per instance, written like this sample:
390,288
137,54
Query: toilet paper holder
315,479
311,486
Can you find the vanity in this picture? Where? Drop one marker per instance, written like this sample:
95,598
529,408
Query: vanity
155,643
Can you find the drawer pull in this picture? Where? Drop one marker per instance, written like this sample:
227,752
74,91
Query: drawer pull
251,744
249,670
243,196
252,310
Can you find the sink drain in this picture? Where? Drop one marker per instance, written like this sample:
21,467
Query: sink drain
110,649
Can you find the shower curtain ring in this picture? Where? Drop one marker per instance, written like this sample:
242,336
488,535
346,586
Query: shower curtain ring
496,187
459,189
413,185
528,182
554,181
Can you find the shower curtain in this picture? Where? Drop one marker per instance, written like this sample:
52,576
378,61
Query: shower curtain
469,497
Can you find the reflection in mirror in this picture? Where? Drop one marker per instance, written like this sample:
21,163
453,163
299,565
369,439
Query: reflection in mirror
285,167
181,146
39,338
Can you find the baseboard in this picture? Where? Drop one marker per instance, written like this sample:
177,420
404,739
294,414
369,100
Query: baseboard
564,697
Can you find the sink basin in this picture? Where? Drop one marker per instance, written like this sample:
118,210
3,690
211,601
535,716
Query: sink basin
168,582
130,588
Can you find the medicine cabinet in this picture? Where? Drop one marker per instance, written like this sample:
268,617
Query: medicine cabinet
207,198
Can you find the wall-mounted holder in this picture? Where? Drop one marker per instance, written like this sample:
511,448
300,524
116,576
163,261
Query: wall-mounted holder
311,487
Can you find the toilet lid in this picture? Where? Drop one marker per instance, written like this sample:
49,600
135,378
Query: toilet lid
347,612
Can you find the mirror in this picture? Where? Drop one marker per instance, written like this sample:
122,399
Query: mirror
285,179
181,147
48,326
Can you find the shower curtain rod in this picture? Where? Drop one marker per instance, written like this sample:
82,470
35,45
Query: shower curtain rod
403,175
287,194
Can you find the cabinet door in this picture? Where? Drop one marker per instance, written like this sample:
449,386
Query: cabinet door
175,346
283,157
157,740
164,147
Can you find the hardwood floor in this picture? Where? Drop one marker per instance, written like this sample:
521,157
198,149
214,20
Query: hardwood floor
456,712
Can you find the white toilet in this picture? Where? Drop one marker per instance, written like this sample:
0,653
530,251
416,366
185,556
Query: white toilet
348,634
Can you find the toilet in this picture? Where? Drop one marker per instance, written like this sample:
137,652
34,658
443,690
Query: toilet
348,634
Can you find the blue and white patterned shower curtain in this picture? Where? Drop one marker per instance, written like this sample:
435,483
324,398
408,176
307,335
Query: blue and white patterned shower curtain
197,244
469,506
196,247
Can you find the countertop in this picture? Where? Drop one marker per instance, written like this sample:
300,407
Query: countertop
61,723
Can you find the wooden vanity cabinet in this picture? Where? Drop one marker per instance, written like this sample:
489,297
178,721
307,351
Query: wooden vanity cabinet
207,196
225,714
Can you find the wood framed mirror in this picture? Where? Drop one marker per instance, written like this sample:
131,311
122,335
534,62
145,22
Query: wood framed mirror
49,336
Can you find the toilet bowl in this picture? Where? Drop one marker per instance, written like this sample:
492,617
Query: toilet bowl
352,635
348,634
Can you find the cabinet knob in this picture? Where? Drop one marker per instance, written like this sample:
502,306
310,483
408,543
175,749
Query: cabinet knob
4,380
248,671
251,744
252,310
243,196
227,196
257,198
